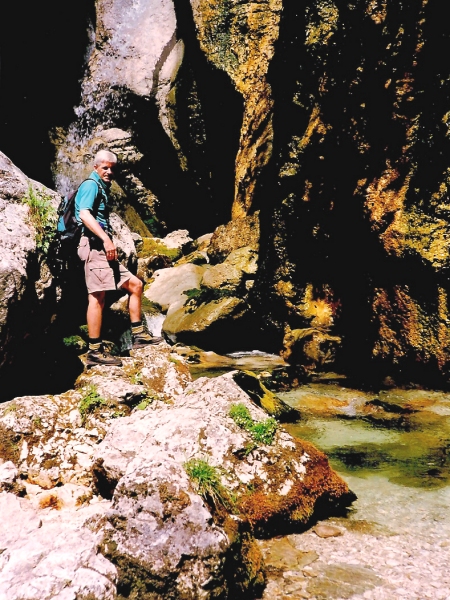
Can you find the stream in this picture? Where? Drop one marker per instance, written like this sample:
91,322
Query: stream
392,447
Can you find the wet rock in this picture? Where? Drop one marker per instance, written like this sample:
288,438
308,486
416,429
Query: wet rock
342,581
324,530
282,555
263,397
312,348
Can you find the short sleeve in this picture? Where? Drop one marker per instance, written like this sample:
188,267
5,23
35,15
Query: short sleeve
87,193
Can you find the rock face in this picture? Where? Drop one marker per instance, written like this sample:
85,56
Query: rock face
358,229
325,119
109,501
27,286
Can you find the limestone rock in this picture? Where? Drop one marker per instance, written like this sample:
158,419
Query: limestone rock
198,425
102,473
179,239
203,241
184,324
223,276
24,288
49,554
166,534
123,239
170,284
245,259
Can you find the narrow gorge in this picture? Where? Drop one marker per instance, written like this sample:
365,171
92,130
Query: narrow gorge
283,194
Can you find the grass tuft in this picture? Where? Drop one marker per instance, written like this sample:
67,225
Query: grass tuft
42,216
207,483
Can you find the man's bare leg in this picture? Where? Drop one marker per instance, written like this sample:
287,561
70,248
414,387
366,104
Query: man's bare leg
134,287
96,303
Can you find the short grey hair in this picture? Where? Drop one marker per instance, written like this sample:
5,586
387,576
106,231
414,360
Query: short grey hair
104,156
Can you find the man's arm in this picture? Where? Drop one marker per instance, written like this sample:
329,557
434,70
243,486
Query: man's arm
92,224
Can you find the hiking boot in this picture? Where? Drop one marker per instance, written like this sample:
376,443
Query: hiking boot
145,339
100,357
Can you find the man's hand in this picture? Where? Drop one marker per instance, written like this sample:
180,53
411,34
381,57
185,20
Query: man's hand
88,220
110,249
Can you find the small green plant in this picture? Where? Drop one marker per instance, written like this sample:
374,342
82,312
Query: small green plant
136,378
42,216
11,408
241,416
37,421
148,399
84,331
206,481
75,343
90,401
144,403
262,432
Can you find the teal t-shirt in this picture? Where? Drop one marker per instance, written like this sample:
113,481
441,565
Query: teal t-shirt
93,196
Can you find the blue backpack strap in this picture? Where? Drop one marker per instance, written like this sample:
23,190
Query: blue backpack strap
97,198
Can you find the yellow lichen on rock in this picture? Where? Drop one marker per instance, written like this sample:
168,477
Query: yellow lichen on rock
405,325
239,39
322,26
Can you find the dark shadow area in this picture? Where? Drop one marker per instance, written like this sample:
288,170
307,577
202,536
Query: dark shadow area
314,222
42,54
209,121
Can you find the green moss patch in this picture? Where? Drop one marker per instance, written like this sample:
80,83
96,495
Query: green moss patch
152,247
262,432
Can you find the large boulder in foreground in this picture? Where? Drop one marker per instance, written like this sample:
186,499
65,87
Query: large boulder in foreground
157,482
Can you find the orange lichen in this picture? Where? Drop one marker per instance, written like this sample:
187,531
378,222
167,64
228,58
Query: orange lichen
265,509
50,501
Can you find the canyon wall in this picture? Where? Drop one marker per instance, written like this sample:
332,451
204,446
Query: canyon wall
328,119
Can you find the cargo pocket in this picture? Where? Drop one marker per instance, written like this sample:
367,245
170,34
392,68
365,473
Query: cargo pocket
101,274
83,249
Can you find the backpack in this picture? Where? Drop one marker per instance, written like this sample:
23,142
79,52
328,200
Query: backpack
68,230
67,227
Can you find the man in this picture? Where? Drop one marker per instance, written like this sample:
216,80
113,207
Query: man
103,272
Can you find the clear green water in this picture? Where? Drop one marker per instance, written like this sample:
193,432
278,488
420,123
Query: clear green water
406,439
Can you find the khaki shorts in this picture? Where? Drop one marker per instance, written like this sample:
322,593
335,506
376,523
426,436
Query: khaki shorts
100,274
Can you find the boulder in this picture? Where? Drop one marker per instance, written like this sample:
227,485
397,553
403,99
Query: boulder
223,276
210,325
170,284
27,286
112,504
179,239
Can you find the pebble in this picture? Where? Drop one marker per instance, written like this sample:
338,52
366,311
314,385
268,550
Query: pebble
394,555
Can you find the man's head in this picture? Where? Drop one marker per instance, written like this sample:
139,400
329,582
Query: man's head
105,163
